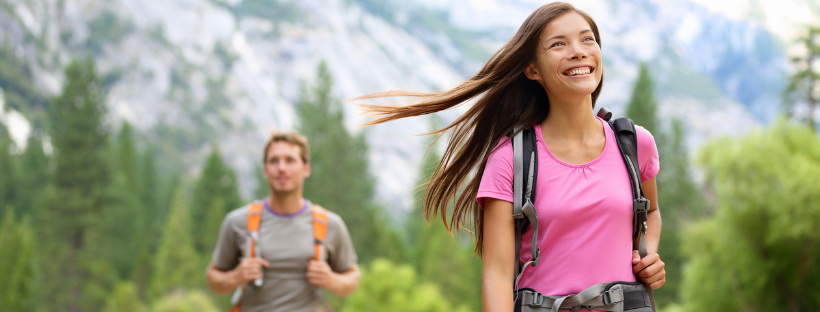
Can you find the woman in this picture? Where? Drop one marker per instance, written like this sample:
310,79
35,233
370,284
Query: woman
549,76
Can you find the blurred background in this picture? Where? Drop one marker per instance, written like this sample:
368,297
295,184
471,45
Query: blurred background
130,128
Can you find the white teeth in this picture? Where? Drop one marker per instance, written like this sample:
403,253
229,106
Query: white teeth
580,71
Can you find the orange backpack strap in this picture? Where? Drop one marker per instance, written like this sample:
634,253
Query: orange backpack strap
319,230
254,219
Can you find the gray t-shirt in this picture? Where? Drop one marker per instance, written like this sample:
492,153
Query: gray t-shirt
286,242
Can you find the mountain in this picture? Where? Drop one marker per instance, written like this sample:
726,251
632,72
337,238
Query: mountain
189,73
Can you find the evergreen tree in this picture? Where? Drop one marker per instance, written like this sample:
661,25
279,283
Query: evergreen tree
643,106
16,268
340,178
8,172
176,265
759,251
218,181
680,199
124,220
124,298
37,174
804,84
71,206
438,257
262,189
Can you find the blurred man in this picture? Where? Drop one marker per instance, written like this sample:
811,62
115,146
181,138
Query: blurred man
293,248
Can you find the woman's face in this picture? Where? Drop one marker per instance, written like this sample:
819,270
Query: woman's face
568,59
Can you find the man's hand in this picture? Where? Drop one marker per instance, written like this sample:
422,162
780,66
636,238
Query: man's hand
319,274
650,269
249,269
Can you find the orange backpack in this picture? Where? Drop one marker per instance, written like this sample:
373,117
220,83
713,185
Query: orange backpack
255,218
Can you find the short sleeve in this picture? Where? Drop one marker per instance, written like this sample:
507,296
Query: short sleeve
341,254
226,253
497,180
647,154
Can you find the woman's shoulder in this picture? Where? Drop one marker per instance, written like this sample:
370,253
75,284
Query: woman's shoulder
644,137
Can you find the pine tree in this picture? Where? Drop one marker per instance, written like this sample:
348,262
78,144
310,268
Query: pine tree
680,199
804,84
77,197
37,168
176,265
124,222
16,268
438,257
8,172
340,176
642,106
217,181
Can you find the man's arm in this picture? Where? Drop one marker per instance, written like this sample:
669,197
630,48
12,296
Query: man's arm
340,284
224,282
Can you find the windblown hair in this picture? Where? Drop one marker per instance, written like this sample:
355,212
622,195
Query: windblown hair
505,100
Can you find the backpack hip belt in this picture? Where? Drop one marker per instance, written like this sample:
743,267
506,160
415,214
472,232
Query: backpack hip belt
615,296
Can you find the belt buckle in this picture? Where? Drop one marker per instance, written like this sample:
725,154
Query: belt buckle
537,300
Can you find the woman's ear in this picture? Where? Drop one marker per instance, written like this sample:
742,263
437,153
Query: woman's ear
532,73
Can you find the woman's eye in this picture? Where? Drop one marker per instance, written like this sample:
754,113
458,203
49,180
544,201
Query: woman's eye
589,39
556,44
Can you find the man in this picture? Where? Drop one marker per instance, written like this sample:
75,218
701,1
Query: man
291,278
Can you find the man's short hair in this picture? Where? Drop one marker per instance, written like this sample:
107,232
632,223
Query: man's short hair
292,138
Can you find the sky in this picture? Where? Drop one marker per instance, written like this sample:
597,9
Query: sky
782,17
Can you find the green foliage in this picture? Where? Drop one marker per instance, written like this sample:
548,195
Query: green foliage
184,301
340,176
388,287
176,264
217,183
8,170
36,174
124,298
643,106
16,243
804,84
681,202
759,250
125,221
72,206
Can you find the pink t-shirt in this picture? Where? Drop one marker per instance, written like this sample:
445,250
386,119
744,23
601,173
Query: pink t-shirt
584,213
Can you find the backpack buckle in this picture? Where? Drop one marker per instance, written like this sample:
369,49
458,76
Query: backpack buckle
537,300
580,307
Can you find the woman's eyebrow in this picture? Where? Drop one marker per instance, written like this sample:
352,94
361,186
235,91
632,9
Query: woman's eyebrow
564,37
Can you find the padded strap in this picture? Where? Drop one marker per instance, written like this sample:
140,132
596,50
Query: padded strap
319,230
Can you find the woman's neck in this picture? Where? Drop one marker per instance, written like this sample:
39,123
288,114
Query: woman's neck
571,119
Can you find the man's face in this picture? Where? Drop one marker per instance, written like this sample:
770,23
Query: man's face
284,168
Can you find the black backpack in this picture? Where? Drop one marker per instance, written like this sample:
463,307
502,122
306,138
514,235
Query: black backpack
525,168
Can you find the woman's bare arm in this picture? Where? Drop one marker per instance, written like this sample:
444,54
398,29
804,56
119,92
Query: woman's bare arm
499,256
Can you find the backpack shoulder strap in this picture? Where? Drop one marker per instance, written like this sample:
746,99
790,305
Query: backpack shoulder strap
525,168
319,230
254,219
626,136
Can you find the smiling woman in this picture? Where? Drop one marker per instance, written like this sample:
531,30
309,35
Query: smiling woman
546,78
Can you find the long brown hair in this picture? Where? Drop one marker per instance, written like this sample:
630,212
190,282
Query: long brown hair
505,98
